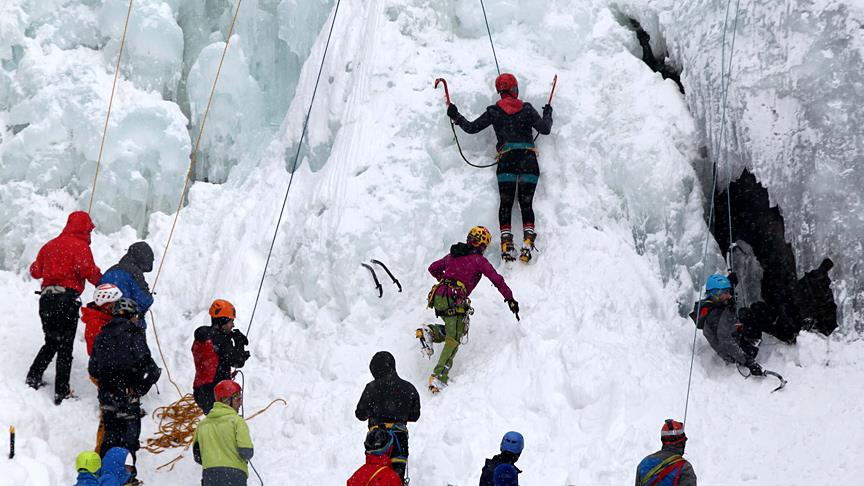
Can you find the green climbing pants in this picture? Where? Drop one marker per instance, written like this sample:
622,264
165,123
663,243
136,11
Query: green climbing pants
450,333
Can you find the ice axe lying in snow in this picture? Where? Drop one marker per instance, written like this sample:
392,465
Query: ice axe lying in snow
375,276
767,373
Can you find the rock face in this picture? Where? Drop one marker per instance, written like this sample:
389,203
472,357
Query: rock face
795,108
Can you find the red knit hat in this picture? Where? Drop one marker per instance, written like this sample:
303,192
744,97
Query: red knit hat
672,432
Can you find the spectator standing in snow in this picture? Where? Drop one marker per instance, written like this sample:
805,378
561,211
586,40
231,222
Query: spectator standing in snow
389,403
87,464
501,468
63,264
518,170
720,324
128,276
667,467
97,313
458,273
124,371
216,350
378,470
222,444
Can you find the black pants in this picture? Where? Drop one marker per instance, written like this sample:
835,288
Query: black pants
59,313
204,396
518,172
122,427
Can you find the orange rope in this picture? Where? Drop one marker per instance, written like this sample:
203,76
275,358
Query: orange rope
110,105
192,157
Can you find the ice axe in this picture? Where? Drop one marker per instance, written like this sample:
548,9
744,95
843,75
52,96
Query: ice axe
554,84
446,90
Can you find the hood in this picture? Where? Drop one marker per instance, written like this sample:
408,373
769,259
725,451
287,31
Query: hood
463,249
510,103
140,255
220,410
114,464
382,364
79,225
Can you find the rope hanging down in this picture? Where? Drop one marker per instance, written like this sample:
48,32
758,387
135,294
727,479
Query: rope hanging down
110,105
722,140
724,88
488,31
192,156
293,167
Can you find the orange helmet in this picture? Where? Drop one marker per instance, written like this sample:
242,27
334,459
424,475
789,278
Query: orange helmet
222,308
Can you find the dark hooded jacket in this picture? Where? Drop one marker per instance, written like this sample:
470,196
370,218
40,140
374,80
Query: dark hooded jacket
128,275
717,321
66,261
513,127
388,398
488,473
122,364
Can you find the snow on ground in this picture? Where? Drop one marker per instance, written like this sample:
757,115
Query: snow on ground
601,355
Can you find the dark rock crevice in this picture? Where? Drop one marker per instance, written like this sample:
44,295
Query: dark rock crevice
789,304
659,63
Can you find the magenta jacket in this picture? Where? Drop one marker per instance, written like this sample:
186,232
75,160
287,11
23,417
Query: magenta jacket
467,266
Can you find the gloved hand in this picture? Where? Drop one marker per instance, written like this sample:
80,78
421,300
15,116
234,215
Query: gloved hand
239,338
547,110
513,305
452,111
755,369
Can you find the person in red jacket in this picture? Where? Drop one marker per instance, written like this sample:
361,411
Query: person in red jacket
97,313
63,264
216,350
378,471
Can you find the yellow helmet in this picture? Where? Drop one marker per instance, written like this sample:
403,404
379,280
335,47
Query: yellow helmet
479,236
88,461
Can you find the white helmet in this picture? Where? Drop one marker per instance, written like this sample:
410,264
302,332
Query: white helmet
106,293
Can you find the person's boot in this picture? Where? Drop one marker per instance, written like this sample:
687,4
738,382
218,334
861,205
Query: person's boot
58,398
424,334
436,385
527,246
35,383
508,249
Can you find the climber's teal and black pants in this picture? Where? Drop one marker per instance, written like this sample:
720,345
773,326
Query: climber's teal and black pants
518,172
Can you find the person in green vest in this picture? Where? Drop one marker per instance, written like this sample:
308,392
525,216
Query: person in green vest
222,444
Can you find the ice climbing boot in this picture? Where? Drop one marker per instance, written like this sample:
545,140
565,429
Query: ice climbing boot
424,334
527,246
58,399
35,384
436,385
508,249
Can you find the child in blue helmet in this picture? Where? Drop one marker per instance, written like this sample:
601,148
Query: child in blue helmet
497,471
716,316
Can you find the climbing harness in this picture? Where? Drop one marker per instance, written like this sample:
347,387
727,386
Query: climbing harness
110,105
294,166
375,276
458,303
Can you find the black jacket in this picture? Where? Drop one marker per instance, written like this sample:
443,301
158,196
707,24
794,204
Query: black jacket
717,321
388,398
121,362
229,347
515,128
489,468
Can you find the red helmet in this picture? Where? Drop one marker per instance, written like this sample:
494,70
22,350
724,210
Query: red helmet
672,432
506,82
226,389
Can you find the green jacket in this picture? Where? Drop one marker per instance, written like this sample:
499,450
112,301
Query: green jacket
222,440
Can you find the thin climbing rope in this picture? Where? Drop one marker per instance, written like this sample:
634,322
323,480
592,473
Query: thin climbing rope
110,105
489,31
193,155
724,88
723,141
293,167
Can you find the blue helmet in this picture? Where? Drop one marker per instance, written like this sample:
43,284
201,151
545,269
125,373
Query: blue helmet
717,283
513,443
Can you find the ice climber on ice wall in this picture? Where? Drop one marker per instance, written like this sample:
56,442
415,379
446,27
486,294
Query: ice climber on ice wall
518,170
667,467
458,273
389,403
63,264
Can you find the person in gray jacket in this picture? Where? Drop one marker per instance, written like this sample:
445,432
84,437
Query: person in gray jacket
667,467
720,324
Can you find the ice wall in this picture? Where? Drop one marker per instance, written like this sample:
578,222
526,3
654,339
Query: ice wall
796,105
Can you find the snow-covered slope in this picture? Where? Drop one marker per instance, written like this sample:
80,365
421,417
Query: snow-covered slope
601,355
